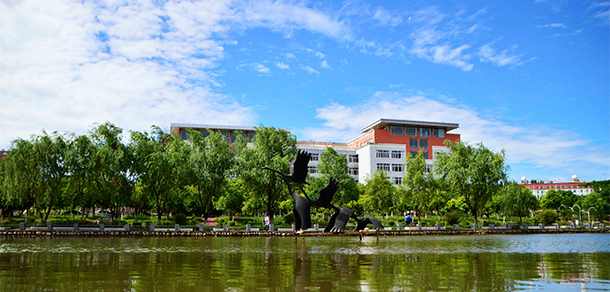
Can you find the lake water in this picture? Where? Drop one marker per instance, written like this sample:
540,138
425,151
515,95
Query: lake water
567,262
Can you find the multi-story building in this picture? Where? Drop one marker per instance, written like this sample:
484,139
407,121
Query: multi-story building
2,153
383,144
575,186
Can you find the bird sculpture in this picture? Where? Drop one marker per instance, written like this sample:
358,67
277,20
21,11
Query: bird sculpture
339,219
301,209
299,169
362,223
326,195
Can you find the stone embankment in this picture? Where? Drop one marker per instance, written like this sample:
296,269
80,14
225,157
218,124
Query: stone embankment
137,233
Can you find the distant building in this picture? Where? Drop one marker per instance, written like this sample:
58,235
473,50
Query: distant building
575,186
383,144
3,153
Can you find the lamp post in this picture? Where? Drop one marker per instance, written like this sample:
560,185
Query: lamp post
579,210
589,214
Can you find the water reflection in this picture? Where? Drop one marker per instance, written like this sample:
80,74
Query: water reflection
487,263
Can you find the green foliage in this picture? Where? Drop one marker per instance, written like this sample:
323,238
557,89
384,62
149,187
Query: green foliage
180,219
419,183
334,165
548,217
518,200
273,148
553,199
378,193
452,218
473,171
596,205
289,218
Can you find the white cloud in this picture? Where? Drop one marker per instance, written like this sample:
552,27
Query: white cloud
387,18
488,54
68,64
552,25
325,65
310,70
260,68
544,145
281,65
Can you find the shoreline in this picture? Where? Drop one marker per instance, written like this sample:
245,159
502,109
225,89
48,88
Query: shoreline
8,234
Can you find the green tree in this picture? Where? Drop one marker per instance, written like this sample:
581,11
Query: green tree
232,199
160,158
273,148
518,200
209,162
112,168
80,191
473,171
334,165
51,153
378,193
596,204
22,178
419,183
553,199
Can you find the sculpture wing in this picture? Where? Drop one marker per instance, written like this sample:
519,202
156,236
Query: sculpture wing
299,173
327,194
341,219
331,222
362,223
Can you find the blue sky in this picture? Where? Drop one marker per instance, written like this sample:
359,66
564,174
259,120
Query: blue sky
529,77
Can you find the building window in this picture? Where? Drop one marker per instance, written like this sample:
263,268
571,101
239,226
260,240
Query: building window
383,154
315,156
425,155
411,131
414,154
227,135
383,166
353,158
251,136
396,154
396,130
397,167
312,169
439,133
397,180
184,134
413,143
234,136
423,143
353,171
424,132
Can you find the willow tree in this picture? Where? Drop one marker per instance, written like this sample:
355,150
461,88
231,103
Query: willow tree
208,164
160,159
518,200
80,190
111,168
21,180
274,148
472,171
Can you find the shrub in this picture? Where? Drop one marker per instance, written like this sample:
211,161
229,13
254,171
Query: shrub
289,218
179,219
548,217
231,223
452,218
391,223
220,221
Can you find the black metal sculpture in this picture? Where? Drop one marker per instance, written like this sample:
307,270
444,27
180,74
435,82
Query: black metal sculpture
362,223
299,169
302,205
301,209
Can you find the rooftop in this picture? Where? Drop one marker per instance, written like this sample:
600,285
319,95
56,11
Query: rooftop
382,123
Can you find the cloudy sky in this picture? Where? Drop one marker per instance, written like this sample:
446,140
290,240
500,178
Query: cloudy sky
529,77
